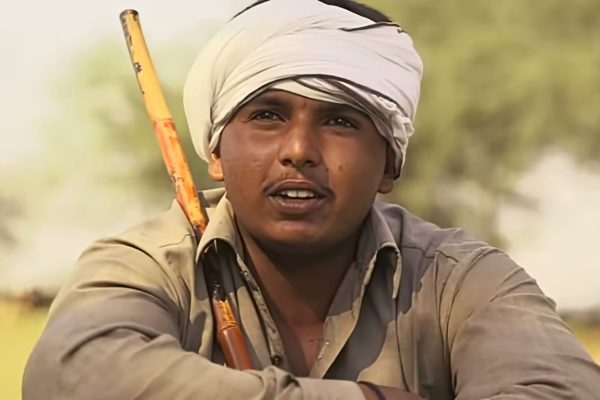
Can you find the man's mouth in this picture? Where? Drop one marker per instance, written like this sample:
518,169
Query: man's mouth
297,197
301,194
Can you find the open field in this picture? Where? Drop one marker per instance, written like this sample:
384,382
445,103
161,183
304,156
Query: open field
20,328
590,337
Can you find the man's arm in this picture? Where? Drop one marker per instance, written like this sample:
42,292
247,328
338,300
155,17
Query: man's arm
114,333
507,341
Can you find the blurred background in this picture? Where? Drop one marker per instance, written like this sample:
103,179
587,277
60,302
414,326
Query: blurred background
507,141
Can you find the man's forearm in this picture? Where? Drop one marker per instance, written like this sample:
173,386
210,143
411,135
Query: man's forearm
376,392
124,364
83,358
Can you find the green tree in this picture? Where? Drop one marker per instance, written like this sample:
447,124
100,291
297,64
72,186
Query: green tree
504,82
105,97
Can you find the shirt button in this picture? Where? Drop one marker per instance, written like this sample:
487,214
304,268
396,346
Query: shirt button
276,360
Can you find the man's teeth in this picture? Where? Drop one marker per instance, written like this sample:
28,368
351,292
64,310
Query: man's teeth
298,194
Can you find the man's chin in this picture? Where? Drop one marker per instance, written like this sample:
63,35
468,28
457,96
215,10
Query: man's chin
295,243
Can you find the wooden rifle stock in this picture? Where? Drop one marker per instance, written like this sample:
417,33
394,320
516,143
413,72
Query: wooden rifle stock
229,335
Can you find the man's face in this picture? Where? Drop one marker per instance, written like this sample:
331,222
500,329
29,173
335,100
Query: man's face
301,174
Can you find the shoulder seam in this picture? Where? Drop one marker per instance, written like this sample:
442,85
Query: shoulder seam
175,243
425,255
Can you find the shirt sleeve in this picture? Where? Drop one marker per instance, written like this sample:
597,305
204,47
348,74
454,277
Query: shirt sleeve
113,333
507,341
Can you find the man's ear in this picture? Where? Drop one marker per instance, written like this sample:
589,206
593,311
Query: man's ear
387,181
215,168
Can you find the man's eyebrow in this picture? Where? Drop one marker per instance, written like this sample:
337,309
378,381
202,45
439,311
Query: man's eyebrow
343,108
267,99
339,107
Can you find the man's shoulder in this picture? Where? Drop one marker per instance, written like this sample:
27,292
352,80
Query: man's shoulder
165,239
447,260
171,228
168,228
421,241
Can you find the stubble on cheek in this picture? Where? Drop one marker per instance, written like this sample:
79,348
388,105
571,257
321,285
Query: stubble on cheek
244,179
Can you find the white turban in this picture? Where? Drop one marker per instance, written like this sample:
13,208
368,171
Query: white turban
312,49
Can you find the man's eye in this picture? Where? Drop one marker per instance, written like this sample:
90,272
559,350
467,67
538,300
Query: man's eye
265,116
341,121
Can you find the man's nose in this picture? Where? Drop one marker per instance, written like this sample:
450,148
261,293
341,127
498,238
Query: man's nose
300,145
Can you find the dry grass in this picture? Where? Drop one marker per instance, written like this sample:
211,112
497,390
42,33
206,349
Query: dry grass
20,328
590,337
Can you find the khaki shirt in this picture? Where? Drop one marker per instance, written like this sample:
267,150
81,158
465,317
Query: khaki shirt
422,308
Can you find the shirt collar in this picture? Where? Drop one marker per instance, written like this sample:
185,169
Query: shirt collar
375,235
221,224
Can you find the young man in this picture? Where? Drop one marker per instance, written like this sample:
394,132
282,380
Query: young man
303,110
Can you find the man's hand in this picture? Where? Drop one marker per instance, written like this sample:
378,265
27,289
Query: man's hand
389,393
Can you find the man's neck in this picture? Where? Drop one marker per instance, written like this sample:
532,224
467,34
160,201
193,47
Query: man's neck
299,287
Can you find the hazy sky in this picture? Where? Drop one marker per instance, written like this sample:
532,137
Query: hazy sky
37,38
558,243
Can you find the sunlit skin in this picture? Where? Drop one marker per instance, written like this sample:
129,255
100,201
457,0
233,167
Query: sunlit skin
281,142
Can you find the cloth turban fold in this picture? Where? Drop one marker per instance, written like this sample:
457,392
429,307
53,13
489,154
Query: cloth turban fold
312,49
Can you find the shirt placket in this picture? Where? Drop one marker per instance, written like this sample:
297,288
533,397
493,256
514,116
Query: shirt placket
274,342
339,326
